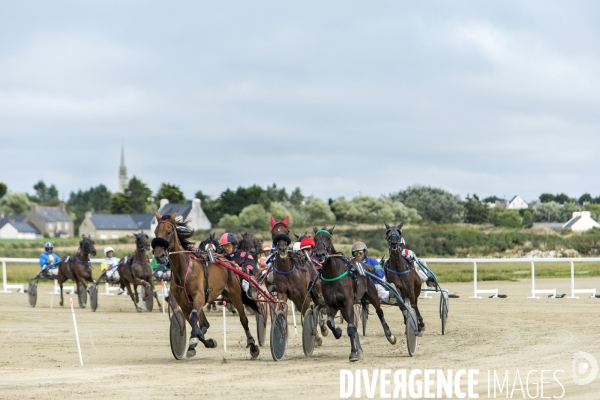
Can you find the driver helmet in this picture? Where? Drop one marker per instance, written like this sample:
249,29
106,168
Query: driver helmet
266,247
358,246
296,247
307,243
107,249
228,238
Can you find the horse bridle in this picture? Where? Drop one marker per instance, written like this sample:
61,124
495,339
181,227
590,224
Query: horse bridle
321,239
393,232
162,242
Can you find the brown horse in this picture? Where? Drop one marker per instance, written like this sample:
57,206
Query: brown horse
77,267
293,274
339,293
135,269
401,273
196,280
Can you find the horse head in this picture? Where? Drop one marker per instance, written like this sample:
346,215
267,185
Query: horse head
141,241
165,236
323,243
280,232
212,241
247,243
393,235
86,245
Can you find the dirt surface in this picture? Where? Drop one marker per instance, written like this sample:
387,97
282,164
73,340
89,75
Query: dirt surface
127,354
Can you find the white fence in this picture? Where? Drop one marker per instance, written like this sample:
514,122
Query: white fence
532,262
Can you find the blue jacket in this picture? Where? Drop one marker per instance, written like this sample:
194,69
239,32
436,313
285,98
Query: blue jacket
375,264
44,259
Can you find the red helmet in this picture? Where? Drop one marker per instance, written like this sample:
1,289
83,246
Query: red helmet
228,238
306,243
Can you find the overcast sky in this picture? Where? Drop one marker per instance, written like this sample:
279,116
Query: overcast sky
337,97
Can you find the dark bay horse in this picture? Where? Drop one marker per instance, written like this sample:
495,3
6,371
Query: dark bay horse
401,273
293,274
135,269
339,294
77,267
196,280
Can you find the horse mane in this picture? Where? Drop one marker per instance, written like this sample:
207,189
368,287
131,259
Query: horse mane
184,232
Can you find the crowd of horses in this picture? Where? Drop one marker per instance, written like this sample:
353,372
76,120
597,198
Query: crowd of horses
318,285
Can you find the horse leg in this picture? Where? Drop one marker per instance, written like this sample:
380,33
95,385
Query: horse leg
235,297
337,332
197,334
127,284
374,300
348,314
61,292
416,294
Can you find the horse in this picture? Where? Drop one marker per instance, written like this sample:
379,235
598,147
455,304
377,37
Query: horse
212,240
77,267
293,274
196,280
135,268
247,244
339,292
399,272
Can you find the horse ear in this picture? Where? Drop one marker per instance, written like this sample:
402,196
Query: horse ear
400,226
158,216
386,225
331,230
173,217
134,234
314,229
286,221
297,237
273,222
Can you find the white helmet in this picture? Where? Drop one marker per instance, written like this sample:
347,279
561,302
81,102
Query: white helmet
296,247
107,249
48,244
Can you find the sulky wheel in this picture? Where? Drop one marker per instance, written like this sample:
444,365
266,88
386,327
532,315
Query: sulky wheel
279,333
308,332
261,325
82,295
32,294
177,335
93,289
364,316
411,331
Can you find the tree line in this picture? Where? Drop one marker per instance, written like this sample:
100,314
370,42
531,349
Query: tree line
251,207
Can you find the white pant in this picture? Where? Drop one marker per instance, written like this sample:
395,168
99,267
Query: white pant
245,285
383,294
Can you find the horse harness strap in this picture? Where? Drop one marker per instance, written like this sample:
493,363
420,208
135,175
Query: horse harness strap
204,261
337,278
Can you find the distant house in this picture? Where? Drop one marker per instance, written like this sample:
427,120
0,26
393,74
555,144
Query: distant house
113,226
516,203
582,221
15,227
534,204
191,212
51,220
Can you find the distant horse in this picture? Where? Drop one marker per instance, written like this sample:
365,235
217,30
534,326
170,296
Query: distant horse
339,294
135,269
293,273
248,244
77,267
401,273
196,280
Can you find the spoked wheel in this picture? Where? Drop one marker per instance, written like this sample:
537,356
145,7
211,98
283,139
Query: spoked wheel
177,334
279,333
82,295
443,310
411,330
309,332
364,316
93,289
32,293
261,324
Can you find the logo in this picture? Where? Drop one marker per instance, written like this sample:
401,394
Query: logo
585,368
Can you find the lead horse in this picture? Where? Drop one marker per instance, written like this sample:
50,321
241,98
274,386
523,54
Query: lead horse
196,280
339,292
78,268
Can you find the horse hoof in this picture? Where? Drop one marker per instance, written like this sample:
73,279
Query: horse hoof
420,333
338,332
353,357
319,341
392,339
138,309
211,344
61,303
194,341
254,351
422,328
190,353
324,330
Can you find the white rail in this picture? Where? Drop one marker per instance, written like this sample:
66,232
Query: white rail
534,291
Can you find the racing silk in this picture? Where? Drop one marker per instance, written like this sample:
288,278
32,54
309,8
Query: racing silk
49,259
409,255
243,259
375,264
108,263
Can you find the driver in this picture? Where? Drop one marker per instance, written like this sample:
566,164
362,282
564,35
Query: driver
49,260
109,263
238,257
359,252
424,272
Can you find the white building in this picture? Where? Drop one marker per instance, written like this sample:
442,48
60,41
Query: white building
517,203
14,227
191,212
582,221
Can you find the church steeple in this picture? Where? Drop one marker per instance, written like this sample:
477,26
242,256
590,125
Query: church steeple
123,181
